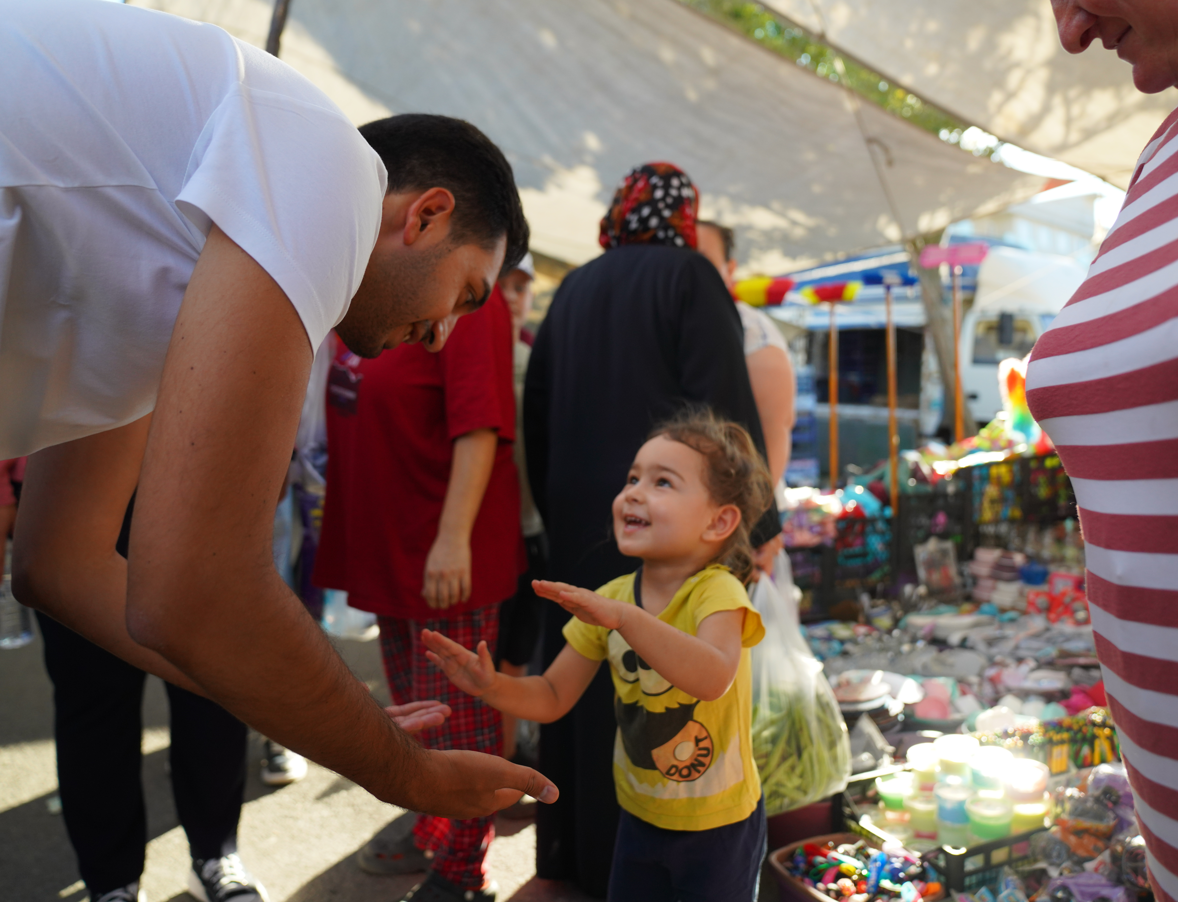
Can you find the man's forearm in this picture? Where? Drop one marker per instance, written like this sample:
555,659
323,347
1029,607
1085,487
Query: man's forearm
470,472
286,680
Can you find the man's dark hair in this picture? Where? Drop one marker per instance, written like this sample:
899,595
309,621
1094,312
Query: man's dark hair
726,235
423,151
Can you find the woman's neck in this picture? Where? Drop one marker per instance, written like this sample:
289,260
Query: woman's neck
661,579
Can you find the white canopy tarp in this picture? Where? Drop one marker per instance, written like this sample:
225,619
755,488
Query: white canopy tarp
1010,279
576,92
998,64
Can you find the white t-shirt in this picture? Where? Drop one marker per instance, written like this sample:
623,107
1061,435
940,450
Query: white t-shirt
124,134
759,330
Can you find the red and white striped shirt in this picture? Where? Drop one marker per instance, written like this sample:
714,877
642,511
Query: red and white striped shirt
1103,383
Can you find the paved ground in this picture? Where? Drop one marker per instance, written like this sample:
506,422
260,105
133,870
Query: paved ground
300,840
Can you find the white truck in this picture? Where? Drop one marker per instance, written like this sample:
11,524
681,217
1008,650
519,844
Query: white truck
1018,295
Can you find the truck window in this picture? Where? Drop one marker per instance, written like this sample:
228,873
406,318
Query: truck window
986,346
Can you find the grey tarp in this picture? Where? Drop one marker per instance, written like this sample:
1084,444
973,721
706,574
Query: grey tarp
578,91
998,64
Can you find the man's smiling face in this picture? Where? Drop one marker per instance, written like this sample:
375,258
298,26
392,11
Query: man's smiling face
1144,33
419,280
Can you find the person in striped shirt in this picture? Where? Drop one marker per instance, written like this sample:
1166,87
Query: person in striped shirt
1103,383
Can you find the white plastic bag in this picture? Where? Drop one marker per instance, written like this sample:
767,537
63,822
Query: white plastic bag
800,741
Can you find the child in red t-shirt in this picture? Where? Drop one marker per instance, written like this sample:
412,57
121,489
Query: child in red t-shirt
421,528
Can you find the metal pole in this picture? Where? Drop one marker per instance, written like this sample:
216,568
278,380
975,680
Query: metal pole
833,381
893,432
958,413
277,23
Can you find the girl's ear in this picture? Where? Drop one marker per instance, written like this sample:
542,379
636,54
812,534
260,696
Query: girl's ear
723,524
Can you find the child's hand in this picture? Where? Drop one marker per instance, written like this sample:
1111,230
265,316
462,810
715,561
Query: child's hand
417,716
472,673
594,609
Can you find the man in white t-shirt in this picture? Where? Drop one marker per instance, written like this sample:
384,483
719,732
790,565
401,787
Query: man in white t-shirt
182,220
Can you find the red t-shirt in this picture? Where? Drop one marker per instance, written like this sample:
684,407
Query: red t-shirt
391,425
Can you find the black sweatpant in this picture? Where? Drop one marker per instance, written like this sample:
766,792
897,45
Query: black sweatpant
98,724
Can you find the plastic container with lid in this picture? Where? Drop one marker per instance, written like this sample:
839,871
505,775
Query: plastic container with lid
894,790
1030,815
954,752
988,818
1026,780
924,759
951,799
988,766
922,815
949,834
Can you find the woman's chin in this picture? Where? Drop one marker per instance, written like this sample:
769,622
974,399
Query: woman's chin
1151,79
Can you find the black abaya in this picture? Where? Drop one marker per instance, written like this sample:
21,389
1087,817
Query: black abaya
629,338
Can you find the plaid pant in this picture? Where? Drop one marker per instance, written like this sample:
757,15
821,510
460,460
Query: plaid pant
459,847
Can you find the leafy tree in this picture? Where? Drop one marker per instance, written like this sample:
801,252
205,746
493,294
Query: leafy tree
786,39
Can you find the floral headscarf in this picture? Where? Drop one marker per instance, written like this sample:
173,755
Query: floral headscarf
655,204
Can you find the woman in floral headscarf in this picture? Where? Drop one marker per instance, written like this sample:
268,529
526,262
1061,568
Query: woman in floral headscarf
630,337
654,204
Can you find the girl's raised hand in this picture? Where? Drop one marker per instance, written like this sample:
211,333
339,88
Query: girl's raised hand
594,609
472,673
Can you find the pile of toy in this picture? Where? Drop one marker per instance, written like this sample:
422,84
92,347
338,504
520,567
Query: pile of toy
856,872
1071,743
1012,433
1007,580
810,515
1094,849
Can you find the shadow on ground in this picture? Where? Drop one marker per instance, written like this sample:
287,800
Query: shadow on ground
302,841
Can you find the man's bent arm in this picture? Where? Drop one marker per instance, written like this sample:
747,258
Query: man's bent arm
64,559
202,589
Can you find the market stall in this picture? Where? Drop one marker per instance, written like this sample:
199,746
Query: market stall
953,631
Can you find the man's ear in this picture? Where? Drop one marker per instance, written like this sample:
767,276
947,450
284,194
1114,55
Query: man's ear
723,524
429,217
731,266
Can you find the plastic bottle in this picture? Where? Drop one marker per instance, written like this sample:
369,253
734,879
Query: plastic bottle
874,869
16,621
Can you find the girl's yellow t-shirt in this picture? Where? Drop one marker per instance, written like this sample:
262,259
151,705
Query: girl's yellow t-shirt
680,763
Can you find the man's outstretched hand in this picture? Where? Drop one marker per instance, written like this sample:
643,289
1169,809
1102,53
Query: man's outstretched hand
417,716
463,785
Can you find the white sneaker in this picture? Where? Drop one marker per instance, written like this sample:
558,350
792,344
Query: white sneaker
129,893
224,880
281,766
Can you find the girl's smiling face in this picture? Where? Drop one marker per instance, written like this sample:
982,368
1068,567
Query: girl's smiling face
665,511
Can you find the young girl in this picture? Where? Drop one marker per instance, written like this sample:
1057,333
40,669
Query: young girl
676,634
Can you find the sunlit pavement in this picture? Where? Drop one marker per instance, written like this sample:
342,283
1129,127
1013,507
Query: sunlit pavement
300,840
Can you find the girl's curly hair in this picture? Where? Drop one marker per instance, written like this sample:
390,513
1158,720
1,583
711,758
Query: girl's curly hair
734,473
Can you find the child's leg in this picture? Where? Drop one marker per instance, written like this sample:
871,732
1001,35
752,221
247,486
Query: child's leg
638,874
722,864
474,726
